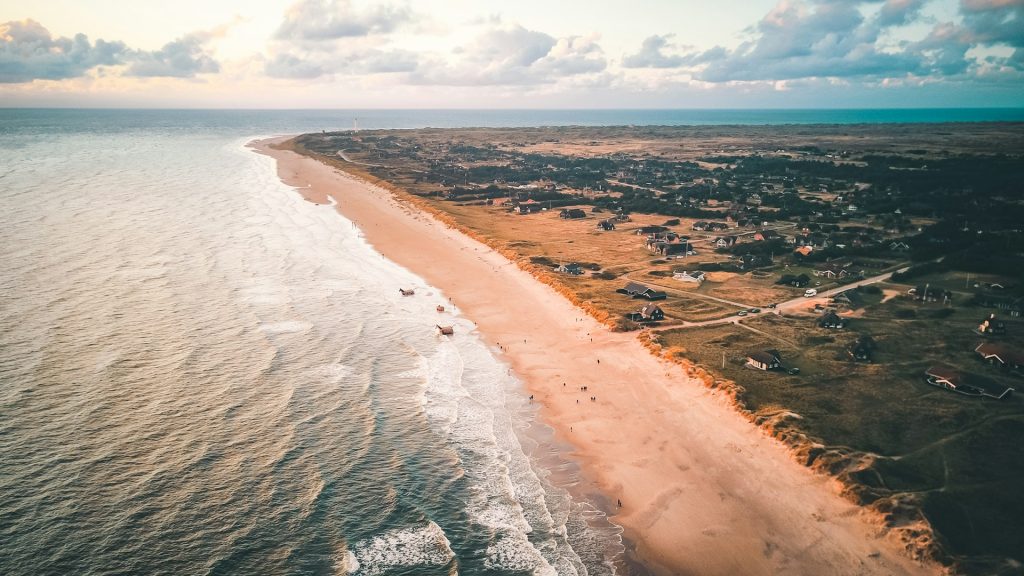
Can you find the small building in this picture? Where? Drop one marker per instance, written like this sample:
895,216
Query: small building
831,271
1010,305
668,248
764,360
926,293
606,225
1001,355
529,207
684,276
766,235
850,299
862,349
725,242
700,226
966,384
991,327
573,268
637,290
794,281
645,230
572,214
832,321
649,313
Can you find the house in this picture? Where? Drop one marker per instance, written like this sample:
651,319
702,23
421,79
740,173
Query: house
1001,355
573,269
794,281
751,261
725,242
606,225
926,294
754,199
967,384
765,235
832,321
849,299
700,226
1012,306
717,226
991,326
645,230
668,248
765,360
572,213
649,313
529,207
862,349
637,290
684,276
899,246
830,271
804,250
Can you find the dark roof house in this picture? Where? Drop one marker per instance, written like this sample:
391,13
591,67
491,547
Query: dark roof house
637,290
764,360
572,214
1001,355
832,321
862,348
966,384
991,326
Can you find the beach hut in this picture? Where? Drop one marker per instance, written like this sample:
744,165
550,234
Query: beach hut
445,330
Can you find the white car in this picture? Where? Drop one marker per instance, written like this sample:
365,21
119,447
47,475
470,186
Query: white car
810,292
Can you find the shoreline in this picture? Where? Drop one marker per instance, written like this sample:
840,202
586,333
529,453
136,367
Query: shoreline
703,490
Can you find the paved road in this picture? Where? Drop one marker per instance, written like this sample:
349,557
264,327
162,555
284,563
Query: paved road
821,297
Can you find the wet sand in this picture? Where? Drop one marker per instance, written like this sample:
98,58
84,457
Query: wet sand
702,490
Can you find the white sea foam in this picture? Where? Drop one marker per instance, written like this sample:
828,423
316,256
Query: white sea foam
403,548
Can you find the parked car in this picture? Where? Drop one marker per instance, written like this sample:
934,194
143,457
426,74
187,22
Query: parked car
754,310
810,292
741,313
793,371
772,305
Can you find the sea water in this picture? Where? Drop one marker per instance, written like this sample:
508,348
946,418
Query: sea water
203,373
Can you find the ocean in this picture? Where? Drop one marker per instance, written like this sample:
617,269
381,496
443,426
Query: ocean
202,373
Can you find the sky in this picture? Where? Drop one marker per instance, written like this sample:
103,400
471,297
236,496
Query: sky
521,54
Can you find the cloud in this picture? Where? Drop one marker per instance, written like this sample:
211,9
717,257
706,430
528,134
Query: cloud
514,55
651,55
28,52
318,20
315,65
837,39
182,58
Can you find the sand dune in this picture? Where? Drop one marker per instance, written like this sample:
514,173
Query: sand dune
703,490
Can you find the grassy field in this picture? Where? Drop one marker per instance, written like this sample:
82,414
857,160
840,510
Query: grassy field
962,458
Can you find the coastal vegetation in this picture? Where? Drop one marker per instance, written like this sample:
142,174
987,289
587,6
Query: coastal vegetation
922,223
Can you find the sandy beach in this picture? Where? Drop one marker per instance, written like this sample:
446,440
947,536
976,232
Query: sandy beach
702,490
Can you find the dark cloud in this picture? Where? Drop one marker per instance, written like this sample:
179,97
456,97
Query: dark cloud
511,55
317,20
28,52
182,58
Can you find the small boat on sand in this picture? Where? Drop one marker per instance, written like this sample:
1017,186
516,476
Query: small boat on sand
408,292
446,330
